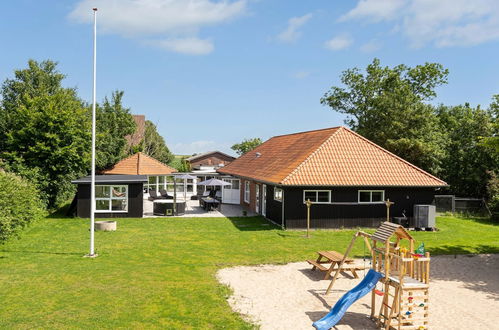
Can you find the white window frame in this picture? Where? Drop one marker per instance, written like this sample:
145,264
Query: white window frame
276,191
317,196
111,198
371,196
246,192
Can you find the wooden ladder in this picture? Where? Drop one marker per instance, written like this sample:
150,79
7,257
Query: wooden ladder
388,311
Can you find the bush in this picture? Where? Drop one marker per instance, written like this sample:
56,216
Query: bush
19,205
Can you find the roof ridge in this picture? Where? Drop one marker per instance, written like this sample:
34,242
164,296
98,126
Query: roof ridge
393,155
297,168
157,161
314,130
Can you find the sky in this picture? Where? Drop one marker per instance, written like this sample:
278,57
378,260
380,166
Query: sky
212,73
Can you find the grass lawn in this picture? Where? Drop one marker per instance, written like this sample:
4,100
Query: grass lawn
160,273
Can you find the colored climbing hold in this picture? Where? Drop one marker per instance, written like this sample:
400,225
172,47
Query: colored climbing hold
408,313
410,298
421,305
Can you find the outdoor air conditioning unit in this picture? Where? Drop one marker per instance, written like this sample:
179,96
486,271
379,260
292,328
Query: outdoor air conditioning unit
424,216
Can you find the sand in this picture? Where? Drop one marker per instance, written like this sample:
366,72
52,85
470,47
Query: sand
464,294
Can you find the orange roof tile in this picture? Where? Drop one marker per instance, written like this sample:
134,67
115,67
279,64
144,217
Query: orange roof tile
140,164
333,157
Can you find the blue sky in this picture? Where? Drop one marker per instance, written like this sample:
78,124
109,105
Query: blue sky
211,73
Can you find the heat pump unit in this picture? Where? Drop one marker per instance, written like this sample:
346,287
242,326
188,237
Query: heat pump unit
424,216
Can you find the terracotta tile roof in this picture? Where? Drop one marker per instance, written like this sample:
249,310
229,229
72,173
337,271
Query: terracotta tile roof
333,157
140,164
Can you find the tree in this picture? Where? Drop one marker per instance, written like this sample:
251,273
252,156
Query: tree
386,105
154,145
45,132
113,124
467,162
19,205
246,145
492,142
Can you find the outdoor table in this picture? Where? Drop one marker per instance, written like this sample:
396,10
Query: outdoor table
210,203
334,258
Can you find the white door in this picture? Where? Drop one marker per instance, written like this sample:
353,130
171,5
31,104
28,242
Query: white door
230,193
257,198
264,200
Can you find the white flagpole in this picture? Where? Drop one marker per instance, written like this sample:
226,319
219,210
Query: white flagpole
92,185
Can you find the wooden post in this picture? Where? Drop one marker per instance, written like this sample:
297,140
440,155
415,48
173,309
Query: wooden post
309,204
388,204
341,263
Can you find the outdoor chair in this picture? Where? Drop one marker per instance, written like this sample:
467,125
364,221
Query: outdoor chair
164,194
154,195
218,195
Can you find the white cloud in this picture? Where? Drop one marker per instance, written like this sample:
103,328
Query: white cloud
371,46
177,21
339,42
292,32
443,23
374,10
191,46
301,74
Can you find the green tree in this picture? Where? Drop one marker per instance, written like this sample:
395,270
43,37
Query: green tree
493,141
19,205
45,131
246,145
113,124
386,105
154,145
467,161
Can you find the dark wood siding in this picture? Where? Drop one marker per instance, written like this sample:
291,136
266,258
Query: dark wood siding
135,202
350,213
274,208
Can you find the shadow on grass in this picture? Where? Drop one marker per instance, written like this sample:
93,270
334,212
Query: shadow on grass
252,224
463,249
42,252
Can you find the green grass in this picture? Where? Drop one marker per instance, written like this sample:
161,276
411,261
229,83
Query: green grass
160,273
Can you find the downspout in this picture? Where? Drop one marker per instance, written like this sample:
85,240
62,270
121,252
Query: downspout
282,212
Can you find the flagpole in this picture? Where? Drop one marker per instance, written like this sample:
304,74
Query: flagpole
92,185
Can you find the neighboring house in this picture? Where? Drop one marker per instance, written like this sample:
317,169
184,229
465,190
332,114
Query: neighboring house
209,161
346,176
137,137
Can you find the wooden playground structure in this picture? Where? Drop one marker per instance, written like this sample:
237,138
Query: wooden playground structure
405,281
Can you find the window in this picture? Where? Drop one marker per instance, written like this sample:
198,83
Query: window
371,196
166,182
246,191
111,198
278,194
317,196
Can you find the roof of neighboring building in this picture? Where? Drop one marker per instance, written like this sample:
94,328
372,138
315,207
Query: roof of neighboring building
328,157
112,179
205,154
138,164
137,136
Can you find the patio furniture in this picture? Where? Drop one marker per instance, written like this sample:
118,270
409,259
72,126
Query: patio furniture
218,195
164,207
334,259
209,203
153,195
164,193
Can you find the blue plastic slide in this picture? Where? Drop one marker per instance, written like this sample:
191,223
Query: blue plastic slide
340,308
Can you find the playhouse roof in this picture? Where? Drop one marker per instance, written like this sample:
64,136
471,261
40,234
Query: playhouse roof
140,164
388,229
333,156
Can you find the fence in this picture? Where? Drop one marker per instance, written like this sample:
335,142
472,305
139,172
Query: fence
451,203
